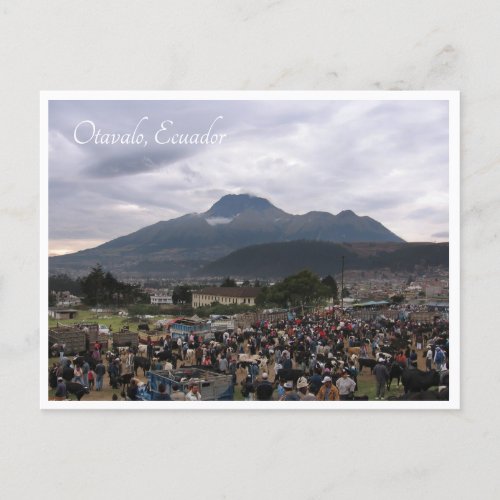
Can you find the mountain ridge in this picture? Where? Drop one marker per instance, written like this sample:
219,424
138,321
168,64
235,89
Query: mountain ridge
233,222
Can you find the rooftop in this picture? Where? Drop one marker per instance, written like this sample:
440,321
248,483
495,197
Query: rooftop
240,292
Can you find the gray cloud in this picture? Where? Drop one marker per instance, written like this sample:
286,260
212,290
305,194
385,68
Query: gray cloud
385,159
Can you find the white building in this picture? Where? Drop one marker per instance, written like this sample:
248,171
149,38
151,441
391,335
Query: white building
161,299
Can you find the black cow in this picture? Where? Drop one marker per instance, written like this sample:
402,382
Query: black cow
396,371
140,362
290,374
124,380
426,396
165,355
368,362
77,389
417,380
360,398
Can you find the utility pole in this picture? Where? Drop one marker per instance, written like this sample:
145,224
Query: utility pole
342,288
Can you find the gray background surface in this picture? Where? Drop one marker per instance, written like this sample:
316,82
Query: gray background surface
247,45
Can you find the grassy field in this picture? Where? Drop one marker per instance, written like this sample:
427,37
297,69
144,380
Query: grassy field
116,322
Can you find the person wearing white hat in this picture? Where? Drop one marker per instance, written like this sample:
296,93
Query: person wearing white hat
328,392
303,388
61,392
290,394
264,390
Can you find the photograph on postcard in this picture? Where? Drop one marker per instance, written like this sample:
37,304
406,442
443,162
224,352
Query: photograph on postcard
249,250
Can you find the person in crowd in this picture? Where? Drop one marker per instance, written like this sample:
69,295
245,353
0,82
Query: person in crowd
132,391
129,361
149,348
248,388
162,394
290,394
264,390
177,394
346,386
78,374
303,390
100,371
401,359
327,391
381,376
223,364
61,393
428,359
91,379
413,358
439,358
114,373
193,393
280,389
85,373
316,381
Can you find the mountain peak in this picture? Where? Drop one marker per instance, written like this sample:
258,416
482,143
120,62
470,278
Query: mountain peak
233,204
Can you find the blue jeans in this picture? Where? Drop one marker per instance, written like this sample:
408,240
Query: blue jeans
98,382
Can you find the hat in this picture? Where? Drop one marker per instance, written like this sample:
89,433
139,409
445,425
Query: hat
326,379
60,379
381,360
288,385
302,382
264,375
345,372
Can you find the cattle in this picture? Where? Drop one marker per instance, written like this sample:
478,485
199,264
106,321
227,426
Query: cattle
353,350
124,380
289,374
77,389
140,362
444,377
426,396
164,355
360,398
396,371
368,362
416,380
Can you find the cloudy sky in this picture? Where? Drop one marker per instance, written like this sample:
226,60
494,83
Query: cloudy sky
384,159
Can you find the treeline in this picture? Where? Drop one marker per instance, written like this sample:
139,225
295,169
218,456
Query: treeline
98,288
303,288
283,259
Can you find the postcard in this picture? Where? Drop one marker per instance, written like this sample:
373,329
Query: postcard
250,250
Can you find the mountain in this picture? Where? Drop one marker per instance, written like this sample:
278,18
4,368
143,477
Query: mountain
183,245
277,260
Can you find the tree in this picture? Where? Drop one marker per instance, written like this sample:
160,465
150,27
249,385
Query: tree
229,282
103,288
330,282
93,286
301,289
345,292
182,295
246,283
63,283
397,299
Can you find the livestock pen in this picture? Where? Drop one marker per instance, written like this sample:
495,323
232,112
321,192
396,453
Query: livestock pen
213,386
